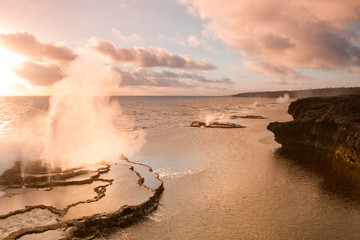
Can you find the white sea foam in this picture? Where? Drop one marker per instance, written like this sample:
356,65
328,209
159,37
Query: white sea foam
253,105
31,219
172,173
162,214
211,118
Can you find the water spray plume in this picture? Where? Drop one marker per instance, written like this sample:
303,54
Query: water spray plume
80,127
10,152
284,99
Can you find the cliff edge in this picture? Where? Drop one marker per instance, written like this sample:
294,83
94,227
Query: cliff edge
326,124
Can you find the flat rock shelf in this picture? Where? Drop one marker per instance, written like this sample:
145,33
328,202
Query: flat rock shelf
78,203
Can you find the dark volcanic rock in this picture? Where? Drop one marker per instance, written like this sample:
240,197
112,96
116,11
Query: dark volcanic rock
327,124
215,125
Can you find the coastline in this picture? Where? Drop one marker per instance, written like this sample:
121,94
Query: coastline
222,183
320,92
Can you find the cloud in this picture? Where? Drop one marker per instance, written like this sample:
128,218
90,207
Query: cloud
178,39
132,38
27,45
277,82
148,77
276,70
38,74
193,41
154,57
285,34
200,78
233,69
281,82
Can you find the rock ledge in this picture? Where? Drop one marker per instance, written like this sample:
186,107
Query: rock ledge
326,124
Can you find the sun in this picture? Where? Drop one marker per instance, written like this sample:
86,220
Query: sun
9,82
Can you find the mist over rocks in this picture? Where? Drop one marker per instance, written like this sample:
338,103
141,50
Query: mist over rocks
327,124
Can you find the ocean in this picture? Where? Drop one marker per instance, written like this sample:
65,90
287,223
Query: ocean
219,183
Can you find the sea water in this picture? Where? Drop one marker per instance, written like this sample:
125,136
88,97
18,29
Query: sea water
221,183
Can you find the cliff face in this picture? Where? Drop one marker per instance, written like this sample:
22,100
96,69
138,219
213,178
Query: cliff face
327,124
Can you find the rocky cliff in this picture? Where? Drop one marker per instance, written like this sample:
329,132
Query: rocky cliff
327,124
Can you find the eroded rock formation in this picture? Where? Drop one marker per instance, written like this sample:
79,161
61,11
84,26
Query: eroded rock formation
77,203
327,124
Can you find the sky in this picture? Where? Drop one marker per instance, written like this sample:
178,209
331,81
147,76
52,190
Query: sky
180,47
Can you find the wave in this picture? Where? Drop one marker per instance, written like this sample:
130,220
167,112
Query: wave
162,214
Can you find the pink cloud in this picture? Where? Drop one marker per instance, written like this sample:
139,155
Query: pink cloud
131,38
39,74
178,39
154,57
27,45
193,41
275,70
233,69
277,82
148,77
285,34
281,82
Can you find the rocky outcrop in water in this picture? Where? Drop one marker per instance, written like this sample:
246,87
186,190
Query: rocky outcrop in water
215,125
327,124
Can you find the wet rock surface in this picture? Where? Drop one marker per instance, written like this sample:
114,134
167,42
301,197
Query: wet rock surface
215,125
35,174
78,203
327,124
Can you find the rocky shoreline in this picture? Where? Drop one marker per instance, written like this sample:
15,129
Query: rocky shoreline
326,124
